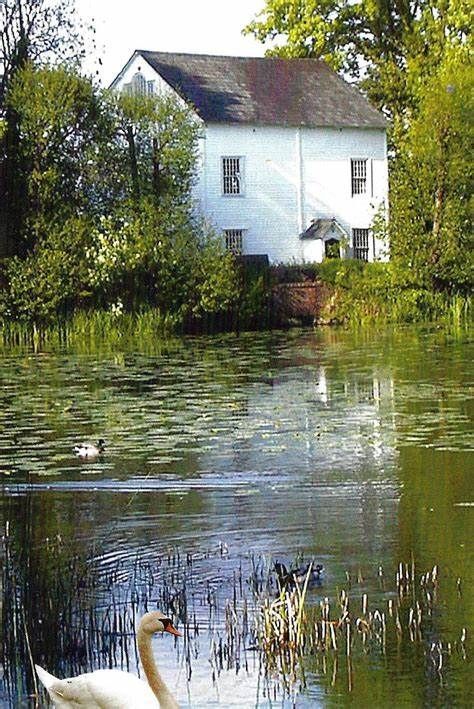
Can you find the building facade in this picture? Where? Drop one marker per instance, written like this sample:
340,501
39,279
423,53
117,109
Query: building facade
292,159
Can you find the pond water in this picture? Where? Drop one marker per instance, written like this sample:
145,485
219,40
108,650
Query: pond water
224,454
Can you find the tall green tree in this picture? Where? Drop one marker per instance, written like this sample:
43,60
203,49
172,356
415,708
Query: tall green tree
109,216
41,32
64,131
386,45
432,183
160,135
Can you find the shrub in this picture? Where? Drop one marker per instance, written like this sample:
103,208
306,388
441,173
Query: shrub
383,291
52,278
150,255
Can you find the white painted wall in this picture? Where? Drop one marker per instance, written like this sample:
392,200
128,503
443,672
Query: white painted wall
291,176
137,64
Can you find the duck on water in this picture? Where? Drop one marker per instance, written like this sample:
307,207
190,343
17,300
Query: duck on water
89,450
289,577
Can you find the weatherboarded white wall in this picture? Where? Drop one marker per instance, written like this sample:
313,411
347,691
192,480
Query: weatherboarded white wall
291,176
138,65
267,209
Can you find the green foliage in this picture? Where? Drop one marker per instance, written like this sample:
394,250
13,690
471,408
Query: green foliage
62,130
159,136
83,150
387,46
339,271
214,277
86,327
154,255
158,254
51,278
364,292
431,213
42,32
254,304
108,214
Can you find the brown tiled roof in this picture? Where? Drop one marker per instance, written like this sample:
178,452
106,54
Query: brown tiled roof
268,91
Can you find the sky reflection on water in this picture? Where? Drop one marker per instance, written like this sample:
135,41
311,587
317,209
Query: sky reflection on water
353,448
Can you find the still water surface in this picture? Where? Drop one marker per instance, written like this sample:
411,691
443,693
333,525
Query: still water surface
352,448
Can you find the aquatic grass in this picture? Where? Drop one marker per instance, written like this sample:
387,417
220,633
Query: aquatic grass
291,630
280,631
81,613
89,329
82,610
375,293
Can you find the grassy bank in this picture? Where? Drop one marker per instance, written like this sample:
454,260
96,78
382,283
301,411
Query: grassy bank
86,329
113,328
366,293
355,293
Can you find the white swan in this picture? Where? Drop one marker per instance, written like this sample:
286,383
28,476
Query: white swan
114,689
90,450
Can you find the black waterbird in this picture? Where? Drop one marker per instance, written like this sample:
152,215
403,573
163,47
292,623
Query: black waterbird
288,578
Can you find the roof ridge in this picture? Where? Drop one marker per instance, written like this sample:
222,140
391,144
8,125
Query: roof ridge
230,56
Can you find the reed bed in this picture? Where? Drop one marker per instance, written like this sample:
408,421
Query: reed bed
289,629
74,612
87,330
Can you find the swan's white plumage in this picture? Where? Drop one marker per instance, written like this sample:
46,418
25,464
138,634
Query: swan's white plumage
102,689
114,689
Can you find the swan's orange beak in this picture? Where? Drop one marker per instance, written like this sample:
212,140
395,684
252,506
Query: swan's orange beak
171,629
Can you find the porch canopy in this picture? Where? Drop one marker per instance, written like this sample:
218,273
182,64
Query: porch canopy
326,230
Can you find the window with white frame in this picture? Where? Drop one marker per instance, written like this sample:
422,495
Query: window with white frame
139,86
360,241
234,241
358,176
232,175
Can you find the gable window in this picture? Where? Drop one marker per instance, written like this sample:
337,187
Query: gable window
359,176
139,86
360,240
234,240
232,176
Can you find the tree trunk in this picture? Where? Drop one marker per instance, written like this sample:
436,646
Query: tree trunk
132,154
156,169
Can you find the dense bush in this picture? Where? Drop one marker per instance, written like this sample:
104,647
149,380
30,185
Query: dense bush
108,219
364,292
53,278
152,256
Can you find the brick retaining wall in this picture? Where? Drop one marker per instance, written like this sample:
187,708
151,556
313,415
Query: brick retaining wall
299,301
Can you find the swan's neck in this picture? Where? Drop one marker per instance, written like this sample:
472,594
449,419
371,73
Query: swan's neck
155,680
